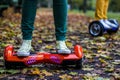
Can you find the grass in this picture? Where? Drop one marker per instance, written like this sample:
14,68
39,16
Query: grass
111,15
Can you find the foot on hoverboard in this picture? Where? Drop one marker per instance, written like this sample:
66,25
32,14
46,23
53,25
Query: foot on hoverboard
62,48
26,46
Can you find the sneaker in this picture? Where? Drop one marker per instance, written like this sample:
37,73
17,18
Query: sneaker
62,48
105,24
110,23
25,48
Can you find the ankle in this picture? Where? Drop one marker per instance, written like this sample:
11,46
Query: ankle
58,42
27,41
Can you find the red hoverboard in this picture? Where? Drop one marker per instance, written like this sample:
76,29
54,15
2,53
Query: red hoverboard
11,60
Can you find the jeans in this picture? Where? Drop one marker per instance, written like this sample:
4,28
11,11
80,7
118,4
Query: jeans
28,17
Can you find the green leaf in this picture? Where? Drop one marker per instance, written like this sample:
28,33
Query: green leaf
12,71
73,73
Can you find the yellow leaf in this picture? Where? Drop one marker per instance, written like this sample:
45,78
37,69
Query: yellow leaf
36,71
73,73
24,71
41,76
109,70
100,38
106,56
102,60
69,44
88,69
65,77
49,46
47,73
40,41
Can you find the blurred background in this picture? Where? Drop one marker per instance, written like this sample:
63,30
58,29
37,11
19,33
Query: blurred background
83,6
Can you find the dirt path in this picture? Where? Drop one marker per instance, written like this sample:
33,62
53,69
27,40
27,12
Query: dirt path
102,54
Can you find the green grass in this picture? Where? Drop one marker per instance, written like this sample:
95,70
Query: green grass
111,15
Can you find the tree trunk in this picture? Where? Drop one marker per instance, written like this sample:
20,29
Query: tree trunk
84,6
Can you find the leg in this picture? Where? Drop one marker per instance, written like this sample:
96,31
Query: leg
28,17
60,18
99,9
106,22
105,9
101,12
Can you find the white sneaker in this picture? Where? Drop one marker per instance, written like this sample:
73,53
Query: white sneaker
104,24
25,48
110,24
62,48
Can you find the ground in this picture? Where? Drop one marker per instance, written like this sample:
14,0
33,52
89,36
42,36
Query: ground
102,54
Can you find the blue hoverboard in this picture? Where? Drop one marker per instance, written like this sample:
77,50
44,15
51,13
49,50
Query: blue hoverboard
96,28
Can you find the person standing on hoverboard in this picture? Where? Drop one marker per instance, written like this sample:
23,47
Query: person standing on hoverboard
101,13
28,17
